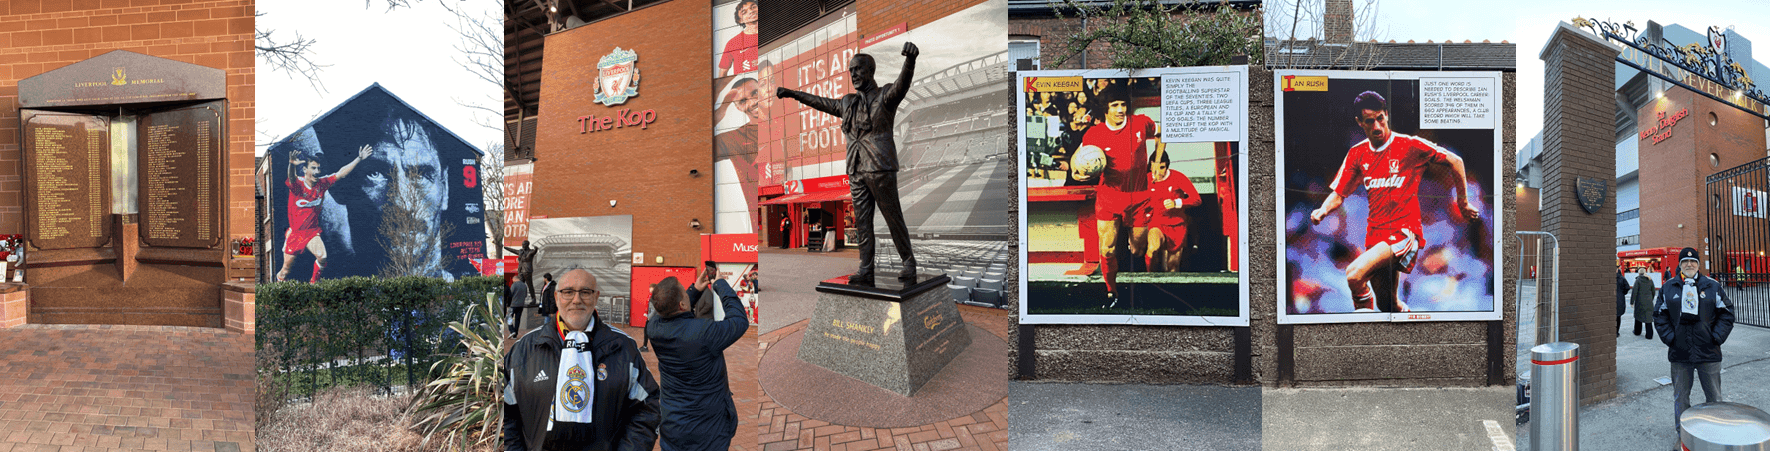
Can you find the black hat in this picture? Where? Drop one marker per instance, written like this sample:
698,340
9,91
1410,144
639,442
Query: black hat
1689,254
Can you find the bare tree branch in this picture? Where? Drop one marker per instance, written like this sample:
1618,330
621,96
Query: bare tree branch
491,170
1310,49
1138,34
289,57
480,50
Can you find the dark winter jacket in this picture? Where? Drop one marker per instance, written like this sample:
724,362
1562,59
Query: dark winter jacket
548,305
1622,289
697,408
623,400
1643,298
519,297
1696,338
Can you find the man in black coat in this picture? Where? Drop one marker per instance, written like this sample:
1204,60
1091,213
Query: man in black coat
1622,304
1643,299
513,304
698,412
578,383
1693,319
548,305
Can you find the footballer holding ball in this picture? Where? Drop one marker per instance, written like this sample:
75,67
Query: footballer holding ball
1120,195
1389,165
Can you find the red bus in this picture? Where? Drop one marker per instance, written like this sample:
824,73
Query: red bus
1654,261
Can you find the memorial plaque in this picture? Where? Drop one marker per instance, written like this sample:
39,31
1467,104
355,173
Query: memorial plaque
180,156
895,342
122,77
66,169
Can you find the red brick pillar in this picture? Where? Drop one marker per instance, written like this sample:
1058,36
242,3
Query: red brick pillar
15,302
239,307
1579,108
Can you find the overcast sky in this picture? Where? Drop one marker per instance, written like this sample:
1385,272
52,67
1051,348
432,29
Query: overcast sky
410,51
1528,23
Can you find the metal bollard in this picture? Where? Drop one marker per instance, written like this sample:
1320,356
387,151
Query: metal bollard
1554,396
1724,426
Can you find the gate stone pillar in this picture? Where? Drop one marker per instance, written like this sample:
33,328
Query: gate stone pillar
1579,111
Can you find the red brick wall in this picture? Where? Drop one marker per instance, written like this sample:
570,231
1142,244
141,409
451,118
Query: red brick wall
1674,172
1051,33
645,170
1527,217
38,36
877,15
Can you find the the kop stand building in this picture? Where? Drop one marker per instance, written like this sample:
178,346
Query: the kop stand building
126,162
606,117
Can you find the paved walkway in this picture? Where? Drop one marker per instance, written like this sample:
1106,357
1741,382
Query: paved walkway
789,281
1387,419
1640,417
99,387
1085,416
782,429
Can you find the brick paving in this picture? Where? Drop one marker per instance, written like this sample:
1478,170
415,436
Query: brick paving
782,429
68,388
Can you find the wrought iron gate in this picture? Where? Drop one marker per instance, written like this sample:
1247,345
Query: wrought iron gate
1739,236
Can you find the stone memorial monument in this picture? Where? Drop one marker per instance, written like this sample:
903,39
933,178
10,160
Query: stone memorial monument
124,158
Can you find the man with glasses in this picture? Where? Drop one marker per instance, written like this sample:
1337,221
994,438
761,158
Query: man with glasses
579,384
698,412
1693,320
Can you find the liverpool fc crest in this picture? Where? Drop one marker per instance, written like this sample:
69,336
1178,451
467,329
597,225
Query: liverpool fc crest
616,78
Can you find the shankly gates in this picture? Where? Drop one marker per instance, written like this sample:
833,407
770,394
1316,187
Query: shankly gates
1739,238
1578,123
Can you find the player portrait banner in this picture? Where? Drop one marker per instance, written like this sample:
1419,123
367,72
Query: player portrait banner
1132,196
1388,208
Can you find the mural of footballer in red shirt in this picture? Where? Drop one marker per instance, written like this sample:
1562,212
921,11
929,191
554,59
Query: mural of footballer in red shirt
1389,166
1124,138
307,192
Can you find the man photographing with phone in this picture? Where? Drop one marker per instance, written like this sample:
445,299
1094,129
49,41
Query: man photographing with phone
697,407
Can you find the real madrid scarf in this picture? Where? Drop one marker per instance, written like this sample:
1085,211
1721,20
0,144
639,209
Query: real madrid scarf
571,401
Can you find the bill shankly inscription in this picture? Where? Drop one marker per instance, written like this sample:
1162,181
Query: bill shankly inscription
68,165
179,152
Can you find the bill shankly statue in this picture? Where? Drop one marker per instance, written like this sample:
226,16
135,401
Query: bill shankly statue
867,116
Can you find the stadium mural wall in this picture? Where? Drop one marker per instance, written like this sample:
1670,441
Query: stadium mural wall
626,130
1387,210
411,207
1132,196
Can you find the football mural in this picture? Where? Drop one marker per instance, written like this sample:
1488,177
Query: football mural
374,188
1387,207
1133,196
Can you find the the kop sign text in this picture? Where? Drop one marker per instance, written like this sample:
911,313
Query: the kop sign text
622,118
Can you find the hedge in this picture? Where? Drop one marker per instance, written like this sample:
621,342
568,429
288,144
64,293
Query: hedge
358,330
